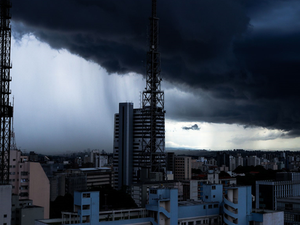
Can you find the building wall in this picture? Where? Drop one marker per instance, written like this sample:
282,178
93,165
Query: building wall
267,192
136,137
87,206
19,174
212,193
237,205
183,168
29,214
39,187
29,181
125,144
164,209
5,204
273,218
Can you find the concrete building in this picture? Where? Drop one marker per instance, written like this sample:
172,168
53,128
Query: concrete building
237,206
183,168
5,209
232,163
237,209
99,159
171,162
253,161
129,133
97,177
239,161
285,185
24,212
140,191
164,208
291,208
63,183
29,181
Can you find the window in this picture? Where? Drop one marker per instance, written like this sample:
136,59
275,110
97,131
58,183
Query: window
23,194
206,197
214,196
210,206
215,205
84,207
213,187
5,215
86,195
204,207
153,191
289,206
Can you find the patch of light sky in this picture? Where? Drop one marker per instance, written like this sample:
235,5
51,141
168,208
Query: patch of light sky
278,16
64,103
226,136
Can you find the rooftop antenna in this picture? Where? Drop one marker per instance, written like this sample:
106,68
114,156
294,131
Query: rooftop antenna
153,103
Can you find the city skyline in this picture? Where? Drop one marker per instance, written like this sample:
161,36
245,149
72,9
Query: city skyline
223,70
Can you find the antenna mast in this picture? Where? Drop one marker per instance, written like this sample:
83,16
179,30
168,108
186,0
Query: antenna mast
153,104
6,112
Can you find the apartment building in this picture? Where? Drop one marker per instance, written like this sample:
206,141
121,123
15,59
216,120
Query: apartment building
183,168
29,181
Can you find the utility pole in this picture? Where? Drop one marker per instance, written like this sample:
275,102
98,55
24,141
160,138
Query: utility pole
6,112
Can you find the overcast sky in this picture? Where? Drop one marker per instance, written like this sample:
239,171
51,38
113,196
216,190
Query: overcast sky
230,72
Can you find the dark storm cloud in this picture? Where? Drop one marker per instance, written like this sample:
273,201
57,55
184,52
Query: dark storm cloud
194,127
248,71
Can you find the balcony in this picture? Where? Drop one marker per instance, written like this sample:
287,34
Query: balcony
228,211
229,220
233,204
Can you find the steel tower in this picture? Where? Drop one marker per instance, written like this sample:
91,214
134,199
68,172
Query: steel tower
6,108
153,104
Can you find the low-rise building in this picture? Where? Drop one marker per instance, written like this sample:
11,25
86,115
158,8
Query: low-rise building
164,208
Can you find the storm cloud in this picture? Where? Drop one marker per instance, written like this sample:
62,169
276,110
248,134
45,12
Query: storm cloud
239,66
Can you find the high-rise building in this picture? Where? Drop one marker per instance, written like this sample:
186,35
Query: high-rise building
128,146
183,168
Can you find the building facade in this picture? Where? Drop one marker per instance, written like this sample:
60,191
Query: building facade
29,181
285,185
5,210
164,208
129,159
183,168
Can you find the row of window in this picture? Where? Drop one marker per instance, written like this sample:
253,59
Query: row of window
211,206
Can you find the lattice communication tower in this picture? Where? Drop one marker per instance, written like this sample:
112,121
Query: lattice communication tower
153,104
6,108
